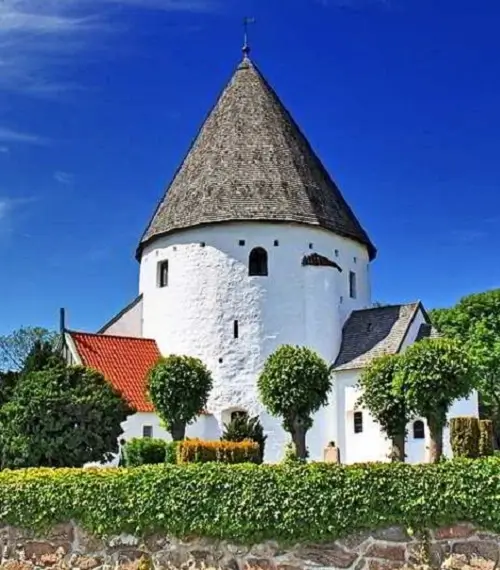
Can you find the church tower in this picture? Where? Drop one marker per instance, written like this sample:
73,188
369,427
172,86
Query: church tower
253,246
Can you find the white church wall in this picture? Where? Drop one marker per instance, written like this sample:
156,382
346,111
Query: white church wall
209,289
128,323
205,427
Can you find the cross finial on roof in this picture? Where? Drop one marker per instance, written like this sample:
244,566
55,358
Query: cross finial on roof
246,47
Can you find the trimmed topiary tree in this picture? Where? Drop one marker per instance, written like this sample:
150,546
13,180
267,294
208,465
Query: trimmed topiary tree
433,373
486,436
464,437
179,387
241,428
293,385
385,401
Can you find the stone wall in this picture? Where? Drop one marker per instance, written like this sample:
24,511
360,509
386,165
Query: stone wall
69,547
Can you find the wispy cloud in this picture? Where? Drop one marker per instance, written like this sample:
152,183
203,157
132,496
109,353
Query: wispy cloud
12,136
9,208
65,178
39,38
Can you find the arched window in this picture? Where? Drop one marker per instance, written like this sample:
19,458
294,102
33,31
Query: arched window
237,414
418,430
257,262
358,422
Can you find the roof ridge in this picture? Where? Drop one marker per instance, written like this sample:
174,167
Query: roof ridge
391,305
140,338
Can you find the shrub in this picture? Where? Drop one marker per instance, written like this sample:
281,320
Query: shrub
251,503
200,451
241,428
171,452
144,451
485,438
464,437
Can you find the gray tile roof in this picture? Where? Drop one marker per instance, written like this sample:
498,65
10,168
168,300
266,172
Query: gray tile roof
317,260
250,162
374,332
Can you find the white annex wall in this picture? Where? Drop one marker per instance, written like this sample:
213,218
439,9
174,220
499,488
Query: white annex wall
209,288
371,444
129,323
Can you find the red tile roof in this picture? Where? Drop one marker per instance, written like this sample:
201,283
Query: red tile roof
123,361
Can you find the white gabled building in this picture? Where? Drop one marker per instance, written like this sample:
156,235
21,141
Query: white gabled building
253,246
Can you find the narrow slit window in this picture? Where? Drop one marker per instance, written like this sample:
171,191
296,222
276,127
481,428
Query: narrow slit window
236,329
147,431
352,285
418,429
257,262
358,422
163,273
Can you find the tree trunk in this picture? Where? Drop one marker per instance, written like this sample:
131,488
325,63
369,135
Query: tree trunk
178,431
299,439
435,449
398,448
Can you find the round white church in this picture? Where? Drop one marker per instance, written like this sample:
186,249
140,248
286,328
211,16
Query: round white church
253,246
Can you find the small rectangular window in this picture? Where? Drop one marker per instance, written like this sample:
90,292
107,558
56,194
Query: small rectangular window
236,330
241,242
352,285
276,243
147,431
311,245
336,253
355,259
163,273
358,422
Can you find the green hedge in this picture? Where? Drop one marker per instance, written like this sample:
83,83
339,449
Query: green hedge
246,503
144,451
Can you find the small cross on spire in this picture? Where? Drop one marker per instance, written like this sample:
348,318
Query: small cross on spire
246,47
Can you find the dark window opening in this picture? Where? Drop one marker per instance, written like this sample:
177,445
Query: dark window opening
241,242
418,430
221,360
257,262
236,330
311,245
276,243
238,414
352,285
358,422
163,274
355,259
203,244
336,253
147,431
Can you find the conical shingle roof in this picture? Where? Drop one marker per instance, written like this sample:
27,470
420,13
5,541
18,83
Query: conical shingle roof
250,162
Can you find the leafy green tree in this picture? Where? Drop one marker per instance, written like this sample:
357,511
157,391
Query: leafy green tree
61,417
43,355
241,427
475,322
293,385
433,373
385,401
16,346
179,387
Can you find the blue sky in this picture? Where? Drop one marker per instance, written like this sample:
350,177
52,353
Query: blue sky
99,100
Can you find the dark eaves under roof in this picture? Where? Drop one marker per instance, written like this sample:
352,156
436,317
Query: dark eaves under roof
374,332
251,162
